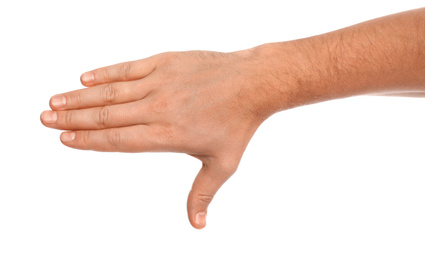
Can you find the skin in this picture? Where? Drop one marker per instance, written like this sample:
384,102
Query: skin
209,104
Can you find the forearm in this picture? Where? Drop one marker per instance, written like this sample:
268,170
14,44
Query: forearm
380,56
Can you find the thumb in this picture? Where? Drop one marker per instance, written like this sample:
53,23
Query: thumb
209,179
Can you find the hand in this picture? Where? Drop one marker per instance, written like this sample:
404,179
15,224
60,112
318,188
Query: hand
205,104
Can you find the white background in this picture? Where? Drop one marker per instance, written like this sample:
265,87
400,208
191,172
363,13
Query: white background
338,180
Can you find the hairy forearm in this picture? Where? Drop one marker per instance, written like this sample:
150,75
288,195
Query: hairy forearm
381,56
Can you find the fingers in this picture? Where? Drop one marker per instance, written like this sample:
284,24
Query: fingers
102,95
126,139
125,71
133,113
209,179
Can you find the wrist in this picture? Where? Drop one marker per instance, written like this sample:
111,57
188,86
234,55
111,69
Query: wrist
293,73
285,75
305,71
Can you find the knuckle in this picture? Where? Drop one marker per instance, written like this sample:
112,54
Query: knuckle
114,137
125,70
228,165
67,118
166,136
102,75
102,117
83,138
205,198
78,99
109,93
165,58
159,105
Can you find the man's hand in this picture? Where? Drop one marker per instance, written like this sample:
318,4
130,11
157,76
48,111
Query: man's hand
199,103
209,104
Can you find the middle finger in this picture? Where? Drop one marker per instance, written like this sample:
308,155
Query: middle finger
127,114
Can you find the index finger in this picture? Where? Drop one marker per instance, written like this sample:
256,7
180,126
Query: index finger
126,71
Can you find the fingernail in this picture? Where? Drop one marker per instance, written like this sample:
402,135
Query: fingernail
87,77
58,101
67,136
201,219
49,116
